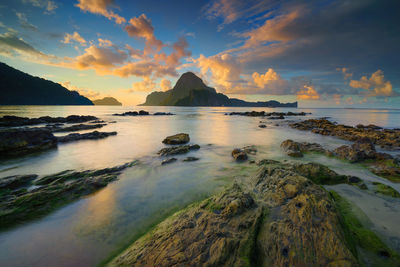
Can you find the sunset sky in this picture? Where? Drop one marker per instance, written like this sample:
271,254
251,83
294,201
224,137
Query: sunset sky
320,53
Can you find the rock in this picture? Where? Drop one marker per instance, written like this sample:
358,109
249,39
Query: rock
163,114
252,150
128,113
239,154
77,127
387,138
291,148
262,126
167,161
277,118
177,139
16,181
275,115
176,150
85,136
361,150
11,121
142,112
386,190
49,192
191,159
17,142
286,220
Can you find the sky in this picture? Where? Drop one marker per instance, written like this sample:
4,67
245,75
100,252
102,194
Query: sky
320,53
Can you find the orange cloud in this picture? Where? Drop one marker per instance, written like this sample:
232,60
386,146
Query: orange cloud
272,30
349,100
308,93
165,85
83,91
141,27
225,70
264,79
100,7
68,38
146,85
375,85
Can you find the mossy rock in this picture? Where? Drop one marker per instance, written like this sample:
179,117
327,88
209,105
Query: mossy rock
386,190
365,245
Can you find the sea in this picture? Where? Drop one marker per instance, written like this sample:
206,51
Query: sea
97,227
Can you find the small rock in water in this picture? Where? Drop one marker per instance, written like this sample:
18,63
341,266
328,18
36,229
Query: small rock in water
177,139
239,154
167,161
191,159
262,126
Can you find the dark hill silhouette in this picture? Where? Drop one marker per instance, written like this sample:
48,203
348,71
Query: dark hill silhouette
190,90
19,88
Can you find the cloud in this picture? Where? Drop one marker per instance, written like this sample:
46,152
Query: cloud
48,6
146,85
272,30
100,7
141,27
376,85
102,59
232,10
68,38
83,91
11,45
24,22
308,93
225,70
346,73
165,85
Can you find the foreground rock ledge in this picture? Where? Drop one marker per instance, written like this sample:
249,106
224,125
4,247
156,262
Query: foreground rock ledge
277,218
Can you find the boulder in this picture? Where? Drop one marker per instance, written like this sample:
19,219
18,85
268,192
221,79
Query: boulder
291,148
177,139
239,154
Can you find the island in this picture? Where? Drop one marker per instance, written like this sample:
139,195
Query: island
190,90
107,101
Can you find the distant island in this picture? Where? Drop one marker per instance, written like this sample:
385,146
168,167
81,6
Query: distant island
19,88
107,101
190,90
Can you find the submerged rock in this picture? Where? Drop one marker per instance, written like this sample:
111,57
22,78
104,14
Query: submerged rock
77,127
273,115
176,150
11,121
163,114
167,161
17,142
386,190
191,159
262,126
85,136
17,204
177,139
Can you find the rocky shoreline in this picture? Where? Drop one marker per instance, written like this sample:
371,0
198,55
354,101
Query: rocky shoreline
386,138
279,217
16,139
362,151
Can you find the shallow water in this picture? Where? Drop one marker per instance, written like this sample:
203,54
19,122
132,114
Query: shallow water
87,231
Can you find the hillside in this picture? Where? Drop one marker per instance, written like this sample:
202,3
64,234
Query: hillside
107,101
19,88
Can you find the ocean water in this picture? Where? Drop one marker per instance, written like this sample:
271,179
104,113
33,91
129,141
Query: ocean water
88,231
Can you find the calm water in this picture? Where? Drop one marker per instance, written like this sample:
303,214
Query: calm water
89,230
